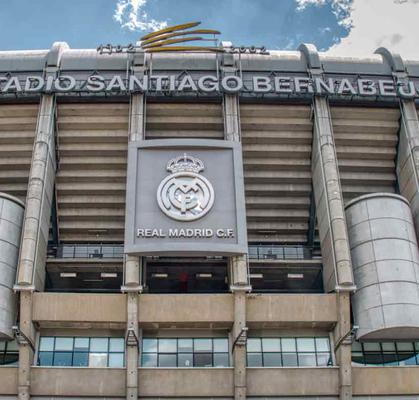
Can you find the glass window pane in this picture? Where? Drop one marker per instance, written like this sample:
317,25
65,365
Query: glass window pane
220,345
46,344
149,345
11,359
373,358
358,357
167,360
389,346
149,360
64,344
167,345
97,360
324,359
202,345
254,359
185,345
417,346
390,359
289,359
254,345
288,344
356,346
81,344
99,345
116,360
322,344
372,346
405,346
185,360
307,359
63,359
272,360
12,346
202,360
305,344
80,359
271,344
221,360
45,358
2,345
116,345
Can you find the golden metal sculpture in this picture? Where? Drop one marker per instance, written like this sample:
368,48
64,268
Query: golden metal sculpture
167,39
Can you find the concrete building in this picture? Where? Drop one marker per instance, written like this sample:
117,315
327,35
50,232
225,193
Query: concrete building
229,225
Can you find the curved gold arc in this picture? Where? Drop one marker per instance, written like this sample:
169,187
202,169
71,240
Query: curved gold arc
182,33
172,41
170,29
185,48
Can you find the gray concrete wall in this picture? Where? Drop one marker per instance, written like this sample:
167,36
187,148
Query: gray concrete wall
11,218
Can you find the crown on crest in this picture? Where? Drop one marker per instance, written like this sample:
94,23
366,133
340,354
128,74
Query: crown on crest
185,163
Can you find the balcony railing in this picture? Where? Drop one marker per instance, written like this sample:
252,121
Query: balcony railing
274,252
87,251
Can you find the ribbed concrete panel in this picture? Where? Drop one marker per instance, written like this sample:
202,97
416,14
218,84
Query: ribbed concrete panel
92,172
366,145
386,267
276,155
11,218
17,132
180,120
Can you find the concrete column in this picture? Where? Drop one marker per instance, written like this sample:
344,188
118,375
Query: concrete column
343,341
407,167
336,256
31,268
132,265
337,266
239,276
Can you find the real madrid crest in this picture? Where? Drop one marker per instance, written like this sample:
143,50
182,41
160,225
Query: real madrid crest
185,195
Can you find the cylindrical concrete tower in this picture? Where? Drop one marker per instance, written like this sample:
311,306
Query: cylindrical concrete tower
385,259
11,218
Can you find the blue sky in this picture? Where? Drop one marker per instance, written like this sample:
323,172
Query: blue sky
277,24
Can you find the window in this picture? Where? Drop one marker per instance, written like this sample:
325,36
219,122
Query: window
92,352
9,353
385,353
185,352
288,352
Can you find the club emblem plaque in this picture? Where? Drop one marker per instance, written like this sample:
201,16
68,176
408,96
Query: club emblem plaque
185,195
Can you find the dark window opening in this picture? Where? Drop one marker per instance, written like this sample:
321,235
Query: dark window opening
186,276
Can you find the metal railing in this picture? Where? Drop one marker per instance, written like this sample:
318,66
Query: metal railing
87,251
275,252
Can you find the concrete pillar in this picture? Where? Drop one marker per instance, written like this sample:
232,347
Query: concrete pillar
132,264
407,167
336,256
31,269
239,276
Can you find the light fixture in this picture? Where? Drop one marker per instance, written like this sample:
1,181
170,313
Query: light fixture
68,274
256,276
108,275
159,276
295,276
203,275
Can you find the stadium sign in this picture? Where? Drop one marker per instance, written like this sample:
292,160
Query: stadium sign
208,84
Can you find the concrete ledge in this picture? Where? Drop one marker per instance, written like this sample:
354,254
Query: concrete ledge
192,310
8,380
185,382
295,310
292,381
65,309
78,382
385,380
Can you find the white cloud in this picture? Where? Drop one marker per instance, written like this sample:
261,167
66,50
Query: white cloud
375,23
131,15
340,8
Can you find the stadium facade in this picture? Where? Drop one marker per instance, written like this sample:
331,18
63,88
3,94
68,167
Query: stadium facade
223,225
